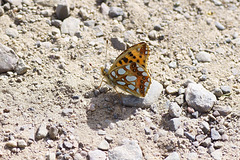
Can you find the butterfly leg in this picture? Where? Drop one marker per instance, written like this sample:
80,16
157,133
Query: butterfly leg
119,95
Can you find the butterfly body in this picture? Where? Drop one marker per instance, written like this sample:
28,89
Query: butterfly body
129,72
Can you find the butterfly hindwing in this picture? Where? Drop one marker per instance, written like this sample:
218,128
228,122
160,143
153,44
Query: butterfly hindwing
132,78
137,53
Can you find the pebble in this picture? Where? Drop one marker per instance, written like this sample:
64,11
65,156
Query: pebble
179,132
206,142
104,145
171,90
225,89
152,35
189,136
104,9
62,10
172,64
199,98
97,155
203,56
11,144
217,92
21,67
205,127
67,112
219,26
11,32
70,26
57,23
128,150
187,82
42,132
173,156
101,132
225,137
235,35
151,98
157,27
223,110
195,114
46,13
201,137
53,132
115,12
203,77
217,154
218,144
1,11
21,143
67,145
155,138
192,156
174,110
147,131
217,2
108,138
118,43
179,99
215,134
89,23
174,124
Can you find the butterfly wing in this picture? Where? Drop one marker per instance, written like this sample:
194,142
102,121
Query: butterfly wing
132,78
138,53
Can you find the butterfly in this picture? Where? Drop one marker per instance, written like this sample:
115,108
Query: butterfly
129,71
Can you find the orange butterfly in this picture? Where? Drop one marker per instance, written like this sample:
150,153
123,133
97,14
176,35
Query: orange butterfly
129,71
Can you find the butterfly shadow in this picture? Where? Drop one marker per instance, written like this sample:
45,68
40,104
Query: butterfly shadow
108,110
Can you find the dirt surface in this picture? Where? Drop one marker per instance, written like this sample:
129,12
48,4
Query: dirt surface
65,73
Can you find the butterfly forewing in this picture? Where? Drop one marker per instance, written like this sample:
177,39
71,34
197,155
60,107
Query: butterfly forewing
132,78
137,53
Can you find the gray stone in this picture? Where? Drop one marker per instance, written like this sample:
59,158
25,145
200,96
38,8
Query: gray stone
101,132
53,132
57,23
70,26
235,35
108,138
152,35
41,132
206,142
62,10
217,92
147,131
171,90
157,27
217,154
11,32
189,136
219,26
104,145
236,42
128,150
1,10
8,59
174,110
179,132
21,143
174,124
218,144
104,9
225,89
98,31
205,127
173,156
46,13
215,134
15,2
195,114
21,67
188,81
67,145
11,144
192,156
97,155
203,56
223,110
118,43
67,111
217,2
172,64
89,23
200,137
152,96
51,156
199,98
115,12
179,99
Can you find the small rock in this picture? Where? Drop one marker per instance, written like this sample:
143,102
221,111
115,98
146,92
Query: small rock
215,134
206,143
189,136
174,110
195,114
97,155
21,67
67,145
152,35
199,98
115,12
57,23
225,89
225,137
217,92
200,137
147,131
217,2
89,23
172,64
128,150
53,132
217,154
174,124
218,144
235,35
11,144
67,111
205,127
171,90
104,145
155,138
192,156
46,13
223,110
101,132
203,56
62,10
21,143
42,132
157,27
70,26
11,32
173,156
1,10
104,9
109,139
188,81
179,99
219,26
118,43
51,156
179,132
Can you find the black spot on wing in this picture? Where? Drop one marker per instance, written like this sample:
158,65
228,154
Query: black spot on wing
125,59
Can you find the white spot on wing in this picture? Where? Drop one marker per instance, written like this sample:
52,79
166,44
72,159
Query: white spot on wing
138,91
111,77
131,78
131,87
138,49
128,67
148,79
121,71
134,83
140,69
129,91
113,74
146,52
121,83
146,84
144,74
